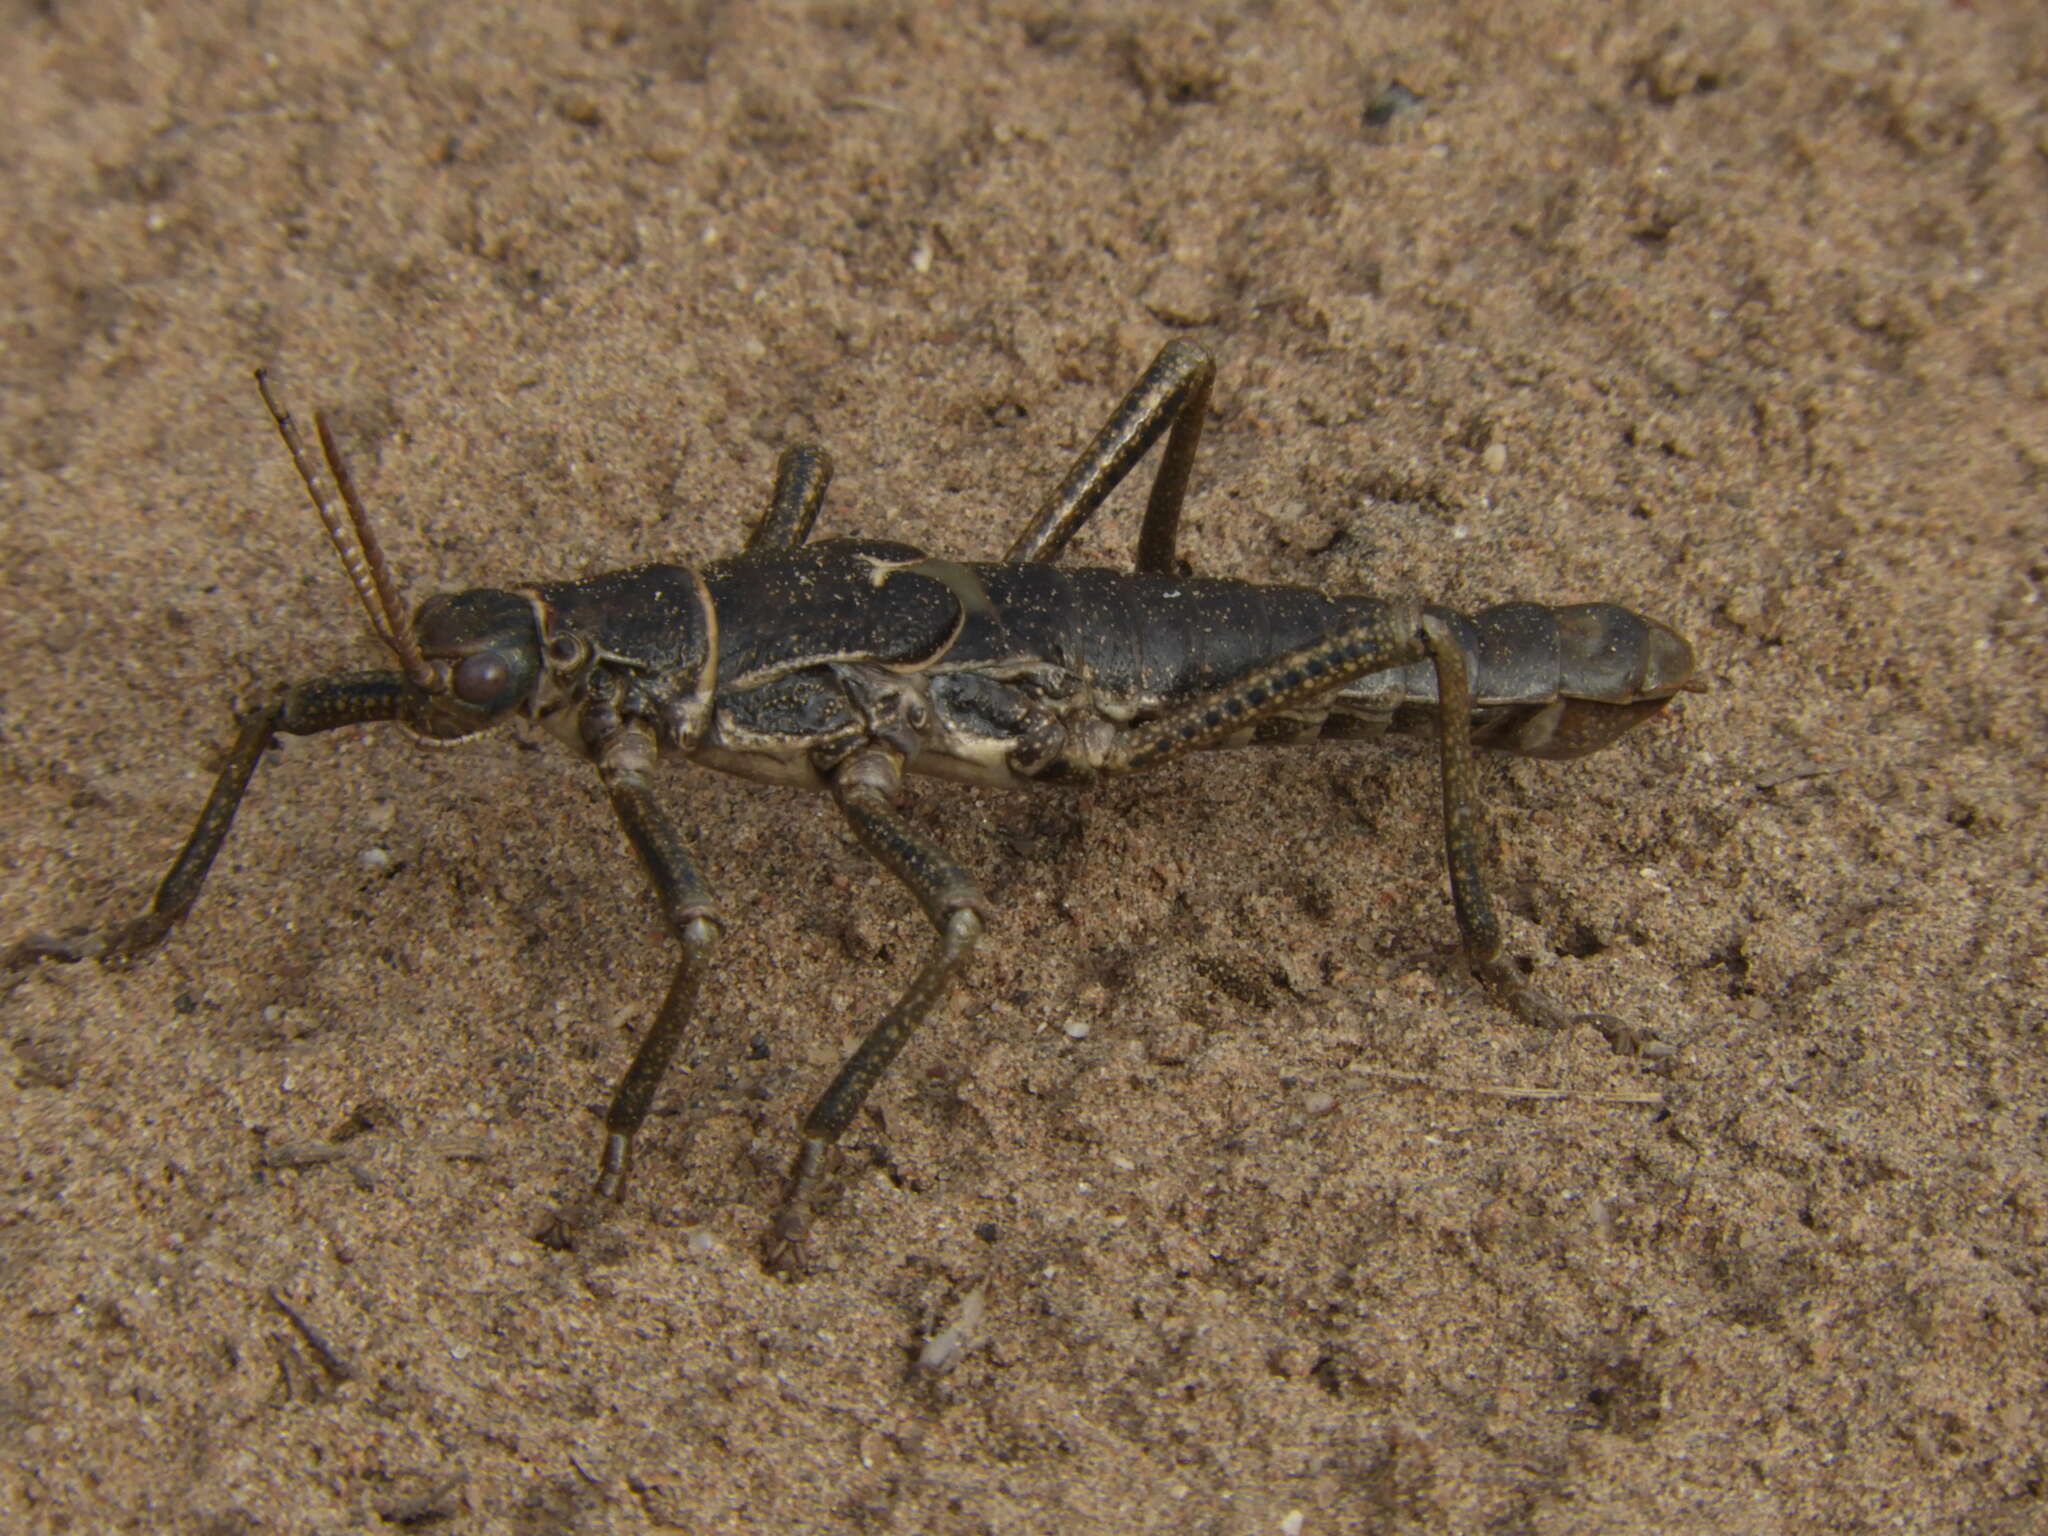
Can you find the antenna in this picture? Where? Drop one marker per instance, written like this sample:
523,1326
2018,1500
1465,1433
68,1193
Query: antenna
361,555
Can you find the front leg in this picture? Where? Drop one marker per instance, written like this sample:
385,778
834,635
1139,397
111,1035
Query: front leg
626,763
866,786
325,704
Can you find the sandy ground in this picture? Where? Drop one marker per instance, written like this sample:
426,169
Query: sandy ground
1735,314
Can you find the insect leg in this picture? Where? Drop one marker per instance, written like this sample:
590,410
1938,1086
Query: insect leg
865,786
1387,635
686,903
1390,636
325,704
1173,391
1464,843
801,475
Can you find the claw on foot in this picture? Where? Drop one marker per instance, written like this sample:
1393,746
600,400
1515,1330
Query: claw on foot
64,948
787,1250
558,1232
618,1162
1533,1005
1625,1037
116,946
565,1226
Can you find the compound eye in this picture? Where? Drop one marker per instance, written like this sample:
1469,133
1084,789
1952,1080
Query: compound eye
481,678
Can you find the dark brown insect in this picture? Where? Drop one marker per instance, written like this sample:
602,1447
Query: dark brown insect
844,664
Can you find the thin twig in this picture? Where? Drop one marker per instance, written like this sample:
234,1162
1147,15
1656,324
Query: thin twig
301,1154
1643,1098
1793,775
331,1359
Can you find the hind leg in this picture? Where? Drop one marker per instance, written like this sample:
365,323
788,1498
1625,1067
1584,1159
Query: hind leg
801,475
866,786
1388,635
1173,392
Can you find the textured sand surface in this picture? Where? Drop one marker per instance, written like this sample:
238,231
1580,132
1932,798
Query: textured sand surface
1734,314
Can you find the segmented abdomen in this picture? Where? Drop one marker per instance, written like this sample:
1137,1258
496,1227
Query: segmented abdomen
1141,641
1545,681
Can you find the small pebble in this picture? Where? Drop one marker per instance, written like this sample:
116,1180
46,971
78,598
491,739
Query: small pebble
1393,105
1075,1029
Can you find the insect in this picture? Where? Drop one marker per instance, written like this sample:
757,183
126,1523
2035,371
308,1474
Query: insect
842,665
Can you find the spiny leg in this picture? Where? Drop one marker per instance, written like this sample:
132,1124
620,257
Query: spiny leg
1464,843
1391,635
801,475
1175,391
1387,635
325,704
866,786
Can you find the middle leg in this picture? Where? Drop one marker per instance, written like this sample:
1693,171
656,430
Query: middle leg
866,786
